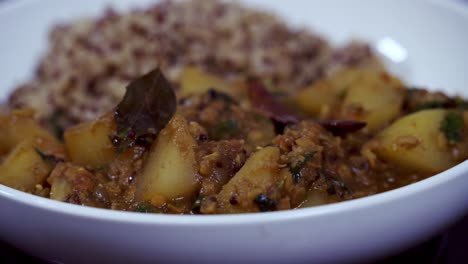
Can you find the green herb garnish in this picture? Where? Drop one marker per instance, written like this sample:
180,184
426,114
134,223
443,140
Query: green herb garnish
55,122
148,105
225,129
342,94
452,126
280,185
296,170
454,103
101,168
336,185
144,208
461,104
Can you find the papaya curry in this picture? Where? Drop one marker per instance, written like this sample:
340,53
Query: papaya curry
214,146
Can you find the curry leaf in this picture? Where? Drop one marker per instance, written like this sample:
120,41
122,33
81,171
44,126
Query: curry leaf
266,103
148,105
270,106
342,127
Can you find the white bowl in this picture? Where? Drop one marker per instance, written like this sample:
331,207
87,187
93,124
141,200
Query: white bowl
429,40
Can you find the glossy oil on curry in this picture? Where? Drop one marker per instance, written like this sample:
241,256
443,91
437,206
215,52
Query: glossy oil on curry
215,146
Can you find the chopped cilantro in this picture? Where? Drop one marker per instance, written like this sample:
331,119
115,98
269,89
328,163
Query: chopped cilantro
452,126
225,129
461,104
296,170
101,168
55,122
342,94
280,184
335,184
144,208
456,103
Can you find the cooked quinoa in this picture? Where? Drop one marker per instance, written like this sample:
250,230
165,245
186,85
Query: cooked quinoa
90,61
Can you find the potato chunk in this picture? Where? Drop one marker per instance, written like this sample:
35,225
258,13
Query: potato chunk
60,189
318,98
373,97
170,170
195,81
24,168
259,173
366,95
321,97
20,126
416,142
88,144
21,140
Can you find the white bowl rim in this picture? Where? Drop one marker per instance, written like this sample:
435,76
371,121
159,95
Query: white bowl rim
91,213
